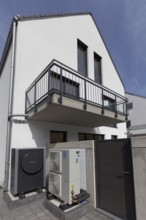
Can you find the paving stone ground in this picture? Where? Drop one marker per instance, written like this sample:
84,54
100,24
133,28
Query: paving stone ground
36,211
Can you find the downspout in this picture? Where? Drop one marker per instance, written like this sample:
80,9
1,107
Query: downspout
10,106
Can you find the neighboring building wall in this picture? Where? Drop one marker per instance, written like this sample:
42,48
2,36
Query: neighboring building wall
4,98
137,114
120,131
139,169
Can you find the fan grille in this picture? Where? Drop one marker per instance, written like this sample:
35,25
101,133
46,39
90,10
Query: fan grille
55,184
55,161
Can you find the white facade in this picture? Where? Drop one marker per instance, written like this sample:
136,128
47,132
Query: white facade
38,42
137,114
4,100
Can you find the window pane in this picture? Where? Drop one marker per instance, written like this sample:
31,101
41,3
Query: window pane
82,58
90,137
99,137
114,137
57,136
85,137
81,137
97,68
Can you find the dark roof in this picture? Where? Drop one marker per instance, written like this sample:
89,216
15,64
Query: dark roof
140,96
45,16
6,48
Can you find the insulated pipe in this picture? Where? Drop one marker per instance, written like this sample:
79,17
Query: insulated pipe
17,115
10,105
81,199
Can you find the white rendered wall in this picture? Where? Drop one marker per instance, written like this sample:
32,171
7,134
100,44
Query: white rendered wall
4,97
137,114
120,131
39,42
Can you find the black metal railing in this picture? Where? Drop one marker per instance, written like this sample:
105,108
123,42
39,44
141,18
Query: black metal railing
63,80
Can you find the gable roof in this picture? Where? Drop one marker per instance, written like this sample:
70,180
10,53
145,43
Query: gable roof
45,16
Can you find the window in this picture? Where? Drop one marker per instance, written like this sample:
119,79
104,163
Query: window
58,136
86,136
114,137
97,68
109,102
82,58
69,87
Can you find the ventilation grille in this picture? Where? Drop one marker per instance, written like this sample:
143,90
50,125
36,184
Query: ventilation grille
56,161
55,184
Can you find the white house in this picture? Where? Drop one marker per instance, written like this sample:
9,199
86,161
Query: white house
137,114
57,83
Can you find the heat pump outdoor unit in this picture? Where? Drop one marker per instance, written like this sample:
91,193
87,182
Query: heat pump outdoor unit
27,170
64,174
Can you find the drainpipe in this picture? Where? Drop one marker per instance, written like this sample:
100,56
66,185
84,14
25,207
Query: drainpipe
10,105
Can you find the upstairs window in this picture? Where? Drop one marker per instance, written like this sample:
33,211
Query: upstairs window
82,58
97,68
109,103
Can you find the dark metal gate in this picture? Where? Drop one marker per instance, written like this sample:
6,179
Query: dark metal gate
114,178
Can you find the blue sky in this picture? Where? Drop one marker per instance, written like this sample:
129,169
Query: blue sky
122,25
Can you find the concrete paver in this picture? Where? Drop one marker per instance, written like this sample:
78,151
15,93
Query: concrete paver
36,211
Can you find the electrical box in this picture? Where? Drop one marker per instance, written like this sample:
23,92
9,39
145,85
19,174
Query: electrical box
64,174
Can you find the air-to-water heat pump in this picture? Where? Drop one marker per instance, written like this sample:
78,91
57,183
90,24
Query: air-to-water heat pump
64,174
27,170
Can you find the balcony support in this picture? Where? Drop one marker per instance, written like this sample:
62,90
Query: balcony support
102,111
116,113
85,92
49,82
61,86
35,107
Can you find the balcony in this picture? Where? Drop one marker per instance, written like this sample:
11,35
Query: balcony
62,95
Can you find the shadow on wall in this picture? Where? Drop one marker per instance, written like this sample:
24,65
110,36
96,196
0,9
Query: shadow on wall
40,133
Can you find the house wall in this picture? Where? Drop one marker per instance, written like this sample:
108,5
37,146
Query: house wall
37,134
139,169
4,98
39,42
137,114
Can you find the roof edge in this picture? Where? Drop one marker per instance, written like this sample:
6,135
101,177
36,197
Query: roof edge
108,51
6,48
45,16
23,18
133,94
7,44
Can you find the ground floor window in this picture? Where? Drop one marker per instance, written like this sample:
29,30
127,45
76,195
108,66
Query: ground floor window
114,137
86,136
58,136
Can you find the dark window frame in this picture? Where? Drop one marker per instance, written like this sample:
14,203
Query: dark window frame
112,103
114,137
54,77
84,47
85,135
64,136
99,59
